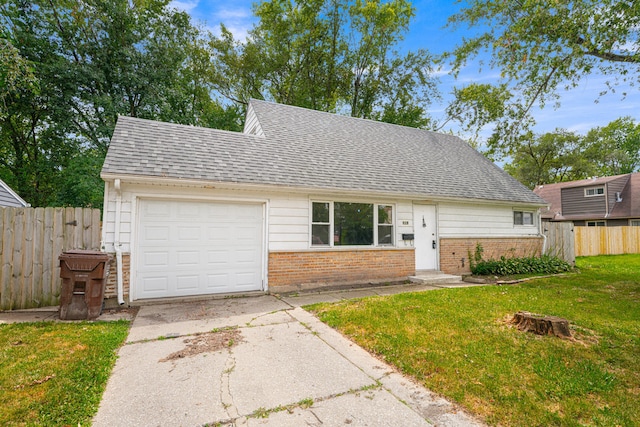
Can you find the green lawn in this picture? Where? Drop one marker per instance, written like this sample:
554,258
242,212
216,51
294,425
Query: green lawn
54,373
457,342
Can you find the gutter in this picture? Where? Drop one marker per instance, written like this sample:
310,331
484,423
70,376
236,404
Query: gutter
116,242
314,191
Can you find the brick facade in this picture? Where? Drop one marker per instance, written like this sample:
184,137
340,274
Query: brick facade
290,271
111,288
454,253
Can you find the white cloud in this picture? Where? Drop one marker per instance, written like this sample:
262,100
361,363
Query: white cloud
184,5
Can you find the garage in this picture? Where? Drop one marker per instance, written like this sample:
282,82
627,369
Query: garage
189,248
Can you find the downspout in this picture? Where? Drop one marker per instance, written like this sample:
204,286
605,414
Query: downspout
116,242
541,234
103,241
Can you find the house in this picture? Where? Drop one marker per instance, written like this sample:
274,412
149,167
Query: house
300,199
607,201
9,198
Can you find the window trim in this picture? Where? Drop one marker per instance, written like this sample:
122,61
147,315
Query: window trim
522,212
594,188
376,224
330,224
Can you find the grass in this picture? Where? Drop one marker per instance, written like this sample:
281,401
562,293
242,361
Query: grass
54,374
457,342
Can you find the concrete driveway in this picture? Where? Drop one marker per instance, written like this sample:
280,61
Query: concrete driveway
257,361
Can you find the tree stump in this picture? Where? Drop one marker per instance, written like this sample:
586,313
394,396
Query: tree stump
541,325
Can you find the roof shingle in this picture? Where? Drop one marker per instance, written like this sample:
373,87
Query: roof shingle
311,149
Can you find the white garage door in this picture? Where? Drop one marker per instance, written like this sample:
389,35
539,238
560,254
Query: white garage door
195,248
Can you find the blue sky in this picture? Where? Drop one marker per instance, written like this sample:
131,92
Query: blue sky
578,112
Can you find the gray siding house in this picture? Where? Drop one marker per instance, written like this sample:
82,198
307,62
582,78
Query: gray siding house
607,201
9,198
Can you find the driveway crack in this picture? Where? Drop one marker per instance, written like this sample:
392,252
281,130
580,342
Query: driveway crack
225,391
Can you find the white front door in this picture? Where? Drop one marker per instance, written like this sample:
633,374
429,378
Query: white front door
195,248
426,239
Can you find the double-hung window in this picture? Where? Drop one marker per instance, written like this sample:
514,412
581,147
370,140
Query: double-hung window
351,224
522,218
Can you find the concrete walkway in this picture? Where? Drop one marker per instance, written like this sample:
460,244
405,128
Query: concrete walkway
260,361
283,367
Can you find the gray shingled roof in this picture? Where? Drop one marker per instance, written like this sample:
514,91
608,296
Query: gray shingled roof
311,149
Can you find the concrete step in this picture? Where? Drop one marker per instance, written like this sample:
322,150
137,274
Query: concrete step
434,277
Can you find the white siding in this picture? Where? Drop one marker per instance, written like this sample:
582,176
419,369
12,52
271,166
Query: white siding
404,214
288,222
476,220
251,123
288,215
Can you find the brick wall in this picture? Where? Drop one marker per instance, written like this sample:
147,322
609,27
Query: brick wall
454,253
290,271
111,288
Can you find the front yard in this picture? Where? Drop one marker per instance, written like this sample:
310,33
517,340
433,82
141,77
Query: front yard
458,343
54,373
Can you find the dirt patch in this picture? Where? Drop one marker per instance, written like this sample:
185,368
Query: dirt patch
207,343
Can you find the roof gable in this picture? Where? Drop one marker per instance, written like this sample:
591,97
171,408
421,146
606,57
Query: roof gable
10,198
297,147
627,206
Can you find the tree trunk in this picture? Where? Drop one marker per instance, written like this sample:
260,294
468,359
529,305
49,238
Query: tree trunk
541,325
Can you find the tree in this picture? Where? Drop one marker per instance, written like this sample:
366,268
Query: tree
94,60
615,147
552,157
560,156
16,74
329,55
477,105
546,45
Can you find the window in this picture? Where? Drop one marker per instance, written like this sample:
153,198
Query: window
385,225
635,222
320,224
351,224
522,218
596,223
593,191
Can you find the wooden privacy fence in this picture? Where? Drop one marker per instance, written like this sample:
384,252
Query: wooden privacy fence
560,240
31,240
607,240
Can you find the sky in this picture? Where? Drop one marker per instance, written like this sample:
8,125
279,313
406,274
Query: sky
578,112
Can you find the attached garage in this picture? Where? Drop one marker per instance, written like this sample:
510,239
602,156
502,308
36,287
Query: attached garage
299,200
187,248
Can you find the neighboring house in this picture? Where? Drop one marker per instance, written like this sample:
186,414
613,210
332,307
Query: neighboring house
9,198
300,199
607,201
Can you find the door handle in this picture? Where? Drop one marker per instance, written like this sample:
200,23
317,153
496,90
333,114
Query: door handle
433,244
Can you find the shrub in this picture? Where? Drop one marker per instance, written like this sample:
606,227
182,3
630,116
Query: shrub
525,265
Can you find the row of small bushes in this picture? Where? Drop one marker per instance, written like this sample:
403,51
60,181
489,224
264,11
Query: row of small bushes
544,264
509,266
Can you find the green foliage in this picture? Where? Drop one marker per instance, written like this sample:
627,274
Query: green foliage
565,156
476,257
329,55
615,147
76,67
552,157
525,265
541,47
477,105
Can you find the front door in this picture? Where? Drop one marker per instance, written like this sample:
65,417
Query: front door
426,239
